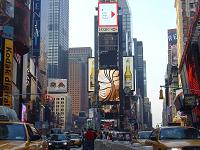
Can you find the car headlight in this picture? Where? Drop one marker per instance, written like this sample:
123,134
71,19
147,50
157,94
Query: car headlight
65,143
49,143
174,149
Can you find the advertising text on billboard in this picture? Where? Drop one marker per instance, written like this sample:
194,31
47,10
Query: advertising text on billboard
7,78
172,45
108,17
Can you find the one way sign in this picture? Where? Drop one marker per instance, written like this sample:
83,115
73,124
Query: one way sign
107,14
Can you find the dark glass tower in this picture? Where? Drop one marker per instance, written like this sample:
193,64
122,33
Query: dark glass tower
139,67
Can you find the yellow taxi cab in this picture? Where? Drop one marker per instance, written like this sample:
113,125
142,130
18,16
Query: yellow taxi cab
142,136
15,135
75,139
174,138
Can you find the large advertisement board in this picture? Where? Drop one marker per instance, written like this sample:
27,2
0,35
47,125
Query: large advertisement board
36,26
7,74
108,17
108,50
128,73
57,85
172,46
91,74
108,85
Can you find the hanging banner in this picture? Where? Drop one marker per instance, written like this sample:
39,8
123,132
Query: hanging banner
7,75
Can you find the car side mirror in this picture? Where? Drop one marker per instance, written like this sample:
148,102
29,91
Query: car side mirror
35,138
153,138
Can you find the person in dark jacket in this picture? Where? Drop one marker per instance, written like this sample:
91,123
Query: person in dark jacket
89,138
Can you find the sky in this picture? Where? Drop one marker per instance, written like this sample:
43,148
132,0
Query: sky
150,21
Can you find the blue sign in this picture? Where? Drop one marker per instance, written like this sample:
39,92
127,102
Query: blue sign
36,27
8,32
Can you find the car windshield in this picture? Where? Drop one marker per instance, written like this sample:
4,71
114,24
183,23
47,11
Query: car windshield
144,134
74,136
179,133
12,132
57,137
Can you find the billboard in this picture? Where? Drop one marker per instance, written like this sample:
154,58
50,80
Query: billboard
128,73
36,4
108,17
57,85
172,46
7,74
108,50
108,85
91,74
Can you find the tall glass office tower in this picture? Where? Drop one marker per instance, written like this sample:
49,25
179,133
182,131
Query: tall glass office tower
58,38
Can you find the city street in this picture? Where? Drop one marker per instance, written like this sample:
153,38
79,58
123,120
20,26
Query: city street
100,74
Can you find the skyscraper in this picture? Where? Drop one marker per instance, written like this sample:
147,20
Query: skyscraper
77,78
126,23
58,38
139,67
145,79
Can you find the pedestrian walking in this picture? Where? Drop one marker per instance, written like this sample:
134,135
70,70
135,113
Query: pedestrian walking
89,138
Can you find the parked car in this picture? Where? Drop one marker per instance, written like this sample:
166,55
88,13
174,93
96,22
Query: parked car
174,137
58,141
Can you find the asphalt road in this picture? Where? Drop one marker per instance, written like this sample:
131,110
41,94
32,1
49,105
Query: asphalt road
75,148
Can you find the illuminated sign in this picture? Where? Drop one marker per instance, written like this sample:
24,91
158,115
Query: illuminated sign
108,85
91,74
128,73
7,78
172,46
108,17
108,29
